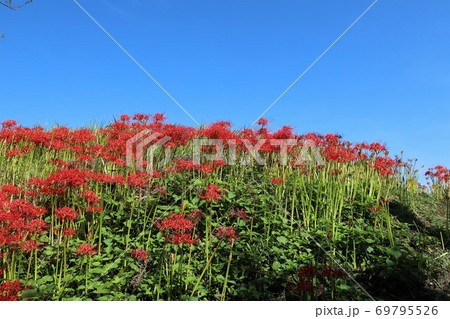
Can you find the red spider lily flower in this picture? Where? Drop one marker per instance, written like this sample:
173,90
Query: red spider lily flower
69,232
180,238
227,233
286,132
207,168
137,180
213,193
85,158
94,209
240,213
159,117
141,117
85,249
276,181
26,149
66,213
170,145
183,165
176,229
9,290
13,153
32,193
439,172
305,286
377,147
37,226
262,121
9,124
308,271
90,197
155,174
26,209
195,216
220,130
219,163
139,254
333,273
29,245
59,182
9,190
125,118
384,166
175,222
120,162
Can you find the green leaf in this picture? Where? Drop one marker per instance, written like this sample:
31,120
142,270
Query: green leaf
231,195
44,280
276,265
29,294
389,262
282,239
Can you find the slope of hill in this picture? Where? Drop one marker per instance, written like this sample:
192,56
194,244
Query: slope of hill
144,210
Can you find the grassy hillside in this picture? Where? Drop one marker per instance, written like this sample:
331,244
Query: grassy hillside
320,219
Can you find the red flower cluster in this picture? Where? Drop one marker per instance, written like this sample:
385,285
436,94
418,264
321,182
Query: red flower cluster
308,273
212,194
66,213
74,168
94,209
90,197
139,254
239,213
85,249
29,245
9,290
327,272
69,232
20,222
9,190
83,143
384,165
176,222
227,233
17,152
141,117
276,181
177,229
439,172
262,121
333,273
9,124
159,117
59,182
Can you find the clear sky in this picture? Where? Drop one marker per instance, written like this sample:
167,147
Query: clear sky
386,80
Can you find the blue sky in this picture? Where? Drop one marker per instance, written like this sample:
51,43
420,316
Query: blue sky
386,80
